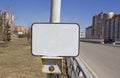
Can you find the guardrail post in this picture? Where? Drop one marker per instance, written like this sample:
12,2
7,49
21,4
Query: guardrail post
76,69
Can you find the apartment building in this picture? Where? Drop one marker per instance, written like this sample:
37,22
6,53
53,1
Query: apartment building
105,26
99,24
89,32
17,30
113,28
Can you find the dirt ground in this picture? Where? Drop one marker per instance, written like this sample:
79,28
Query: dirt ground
16,60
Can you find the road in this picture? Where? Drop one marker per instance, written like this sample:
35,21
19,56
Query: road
104,60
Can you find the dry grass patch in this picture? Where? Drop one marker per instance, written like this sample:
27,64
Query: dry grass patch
16,60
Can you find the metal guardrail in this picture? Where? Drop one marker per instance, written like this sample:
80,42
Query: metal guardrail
92,40
98,41
76,69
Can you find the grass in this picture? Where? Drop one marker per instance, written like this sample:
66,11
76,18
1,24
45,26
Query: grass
16,60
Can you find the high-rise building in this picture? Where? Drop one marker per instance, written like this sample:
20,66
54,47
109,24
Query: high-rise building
99,24
113,28
105,26
89,32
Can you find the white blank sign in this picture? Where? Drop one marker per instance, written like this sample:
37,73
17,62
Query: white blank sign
55,39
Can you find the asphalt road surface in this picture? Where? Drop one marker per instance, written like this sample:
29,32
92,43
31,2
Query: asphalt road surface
104,60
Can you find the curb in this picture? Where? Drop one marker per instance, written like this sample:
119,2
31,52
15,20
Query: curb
89,68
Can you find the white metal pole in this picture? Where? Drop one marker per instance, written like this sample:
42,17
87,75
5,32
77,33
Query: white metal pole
55,11
55,18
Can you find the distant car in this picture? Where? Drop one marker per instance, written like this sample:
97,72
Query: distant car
109,41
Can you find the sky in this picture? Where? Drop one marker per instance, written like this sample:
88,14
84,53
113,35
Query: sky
27,12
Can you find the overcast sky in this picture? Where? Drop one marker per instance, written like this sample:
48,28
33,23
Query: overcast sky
27,12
